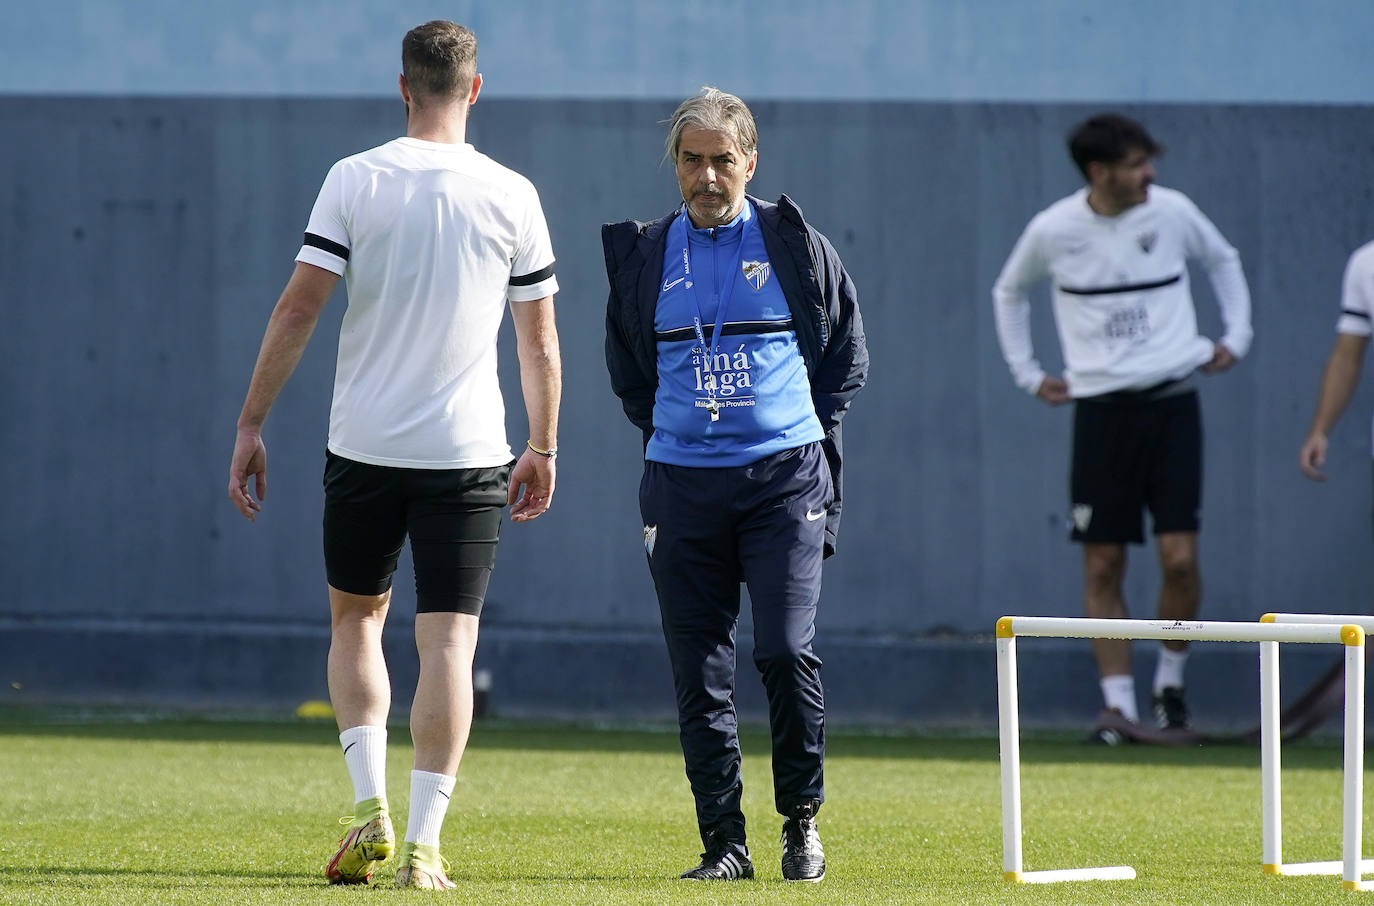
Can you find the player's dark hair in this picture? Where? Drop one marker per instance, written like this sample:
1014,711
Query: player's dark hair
1107,138
439,61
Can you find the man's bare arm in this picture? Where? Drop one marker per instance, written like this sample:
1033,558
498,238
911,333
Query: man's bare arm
1338,386
283,343
541,382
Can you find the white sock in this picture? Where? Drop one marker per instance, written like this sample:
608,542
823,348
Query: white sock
1118,691
429,796
365,754
1169,669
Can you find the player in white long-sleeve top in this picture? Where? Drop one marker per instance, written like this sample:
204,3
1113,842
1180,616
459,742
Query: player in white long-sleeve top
1116,253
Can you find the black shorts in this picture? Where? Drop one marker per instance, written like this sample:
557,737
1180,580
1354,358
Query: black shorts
1130,452
452,516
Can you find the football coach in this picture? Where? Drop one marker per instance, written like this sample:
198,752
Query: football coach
734,342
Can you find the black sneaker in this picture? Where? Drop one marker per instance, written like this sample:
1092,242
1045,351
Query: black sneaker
802,856
722,861
1107,736
1169,710
1108,731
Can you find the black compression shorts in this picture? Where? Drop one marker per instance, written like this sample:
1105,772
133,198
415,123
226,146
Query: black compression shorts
452,517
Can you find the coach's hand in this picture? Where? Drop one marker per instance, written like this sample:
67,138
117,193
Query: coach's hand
531,486
250,458
1053,390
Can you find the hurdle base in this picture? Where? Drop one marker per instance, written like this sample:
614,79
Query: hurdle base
1058,875
1297,869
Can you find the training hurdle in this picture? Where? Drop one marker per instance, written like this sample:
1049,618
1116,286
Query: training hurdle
1271,809
1272,631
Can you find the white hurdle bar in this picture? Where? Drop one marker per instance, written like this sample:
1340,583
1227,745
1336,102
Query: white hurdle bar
1273,631
1270,760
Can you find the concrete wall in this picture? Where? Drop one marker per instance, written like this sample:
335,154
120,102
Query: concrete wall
143,243
1222,51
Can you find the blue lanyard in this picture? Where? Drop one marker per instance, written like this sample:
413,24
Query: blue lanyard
721,308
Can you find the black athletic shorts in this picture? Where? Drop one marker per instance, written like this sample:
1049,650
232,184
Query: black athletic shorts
1133,451
452,516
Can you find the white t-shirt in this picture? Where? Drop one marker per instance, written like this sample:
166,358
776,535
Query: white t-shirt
1122,302
1357,297
431,240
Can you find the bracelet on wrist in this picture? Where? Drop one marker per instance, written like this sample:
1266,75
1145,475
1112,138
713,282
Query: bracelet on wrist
550,453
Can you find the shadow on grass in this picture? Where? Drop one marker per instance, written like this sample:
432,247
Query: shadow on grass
478,878
142,728
49,875
134,878
522,736
487,735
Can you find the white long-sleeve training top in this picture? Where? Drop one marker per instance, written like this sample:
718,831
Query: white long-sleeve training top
1121,295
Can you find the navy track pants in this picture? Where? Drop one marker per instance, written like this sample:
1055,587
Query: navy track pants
706,531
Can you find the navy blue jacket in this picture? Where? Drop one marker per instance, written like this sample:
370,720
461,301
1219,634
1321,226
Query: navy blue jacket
825,315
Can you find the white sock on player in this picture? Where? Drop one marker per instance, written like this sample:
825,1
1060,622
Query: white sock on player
429,796
1118,691
1169,669
365,754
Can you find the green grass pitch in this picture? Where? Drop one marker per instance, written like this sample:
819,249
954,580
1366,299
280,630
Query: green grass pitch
111,809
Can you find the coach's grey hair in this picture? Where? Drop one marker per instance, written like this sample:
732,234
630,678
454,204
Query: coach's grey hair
716,111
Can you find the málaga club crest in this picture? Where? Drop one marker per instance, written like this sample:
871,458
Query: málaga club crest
756,272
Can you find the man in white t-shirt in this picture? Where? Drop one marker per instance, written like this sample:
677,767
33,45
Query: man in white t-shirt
1116,252
432,239
1346,359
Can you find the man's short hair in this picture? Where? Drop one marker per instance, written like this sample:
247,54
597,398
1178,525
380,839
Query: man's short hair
1107,138
715,111
439,61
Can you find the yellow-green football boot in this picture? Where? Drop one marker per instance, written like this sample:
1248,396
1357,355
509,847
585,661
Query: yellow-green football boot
422,867
370,841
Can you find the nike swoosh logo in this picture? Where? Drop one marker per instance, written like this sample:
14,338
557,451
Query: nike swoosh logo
668,286
812,517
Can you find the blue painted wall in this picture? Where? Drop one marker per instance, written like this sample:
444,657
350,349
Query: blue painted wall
143,243
935,50
162,159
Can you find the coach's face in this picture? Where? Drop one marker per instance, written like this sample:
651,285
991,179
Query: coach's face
712,173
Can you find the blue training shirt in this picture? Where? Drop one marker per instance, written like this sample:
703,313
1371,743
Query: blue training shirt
755,375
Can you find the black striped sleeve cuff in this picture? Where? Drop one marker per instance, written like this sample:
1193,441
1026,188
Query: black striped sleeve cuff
538,276
326,245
